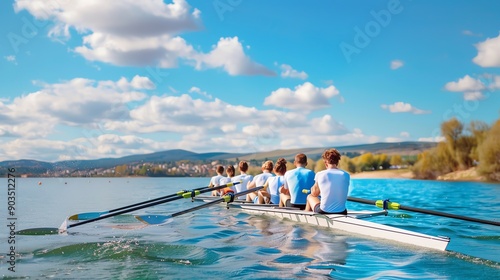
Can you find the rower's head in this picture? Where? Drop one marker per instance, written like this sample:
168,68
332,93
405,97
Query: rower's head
243,166
300,160
331,156
267,166
280,166
230,171
219,169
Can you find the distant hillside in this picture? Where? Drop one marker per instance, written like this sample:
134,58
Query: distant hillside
39,167
399,148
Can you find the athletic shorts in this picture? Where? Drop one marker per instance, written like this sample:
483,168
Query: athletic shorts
319,211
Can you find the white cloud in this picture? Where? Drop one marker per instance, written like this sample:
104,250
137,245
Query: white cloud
470,33
73,103
495,82
11,58
229,55
404,134
467,83
431,139
396,64
148,37
102,124
473,95
288,72
305,97
401,107
488,53
200,92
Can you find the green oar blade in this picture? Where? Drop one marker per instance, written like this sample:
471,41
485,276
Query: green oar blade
38,231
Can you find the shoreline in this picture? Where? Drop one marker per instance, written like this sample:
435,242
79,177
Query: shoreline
381,174
463,175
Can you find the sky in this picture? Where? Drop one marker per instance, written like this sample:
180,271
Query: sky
87,79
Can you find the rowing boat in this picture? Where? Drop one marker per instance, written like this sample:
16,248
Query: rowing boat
353,222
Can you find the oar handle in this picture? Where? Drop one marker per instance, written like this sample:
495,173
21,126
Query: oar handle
397,206
128,210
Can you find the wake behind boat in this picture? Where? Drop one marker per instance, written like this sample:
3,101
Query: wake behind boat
353,222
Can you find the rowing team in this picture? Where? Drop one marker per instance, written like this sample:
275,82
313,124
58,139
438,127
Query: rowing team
324,192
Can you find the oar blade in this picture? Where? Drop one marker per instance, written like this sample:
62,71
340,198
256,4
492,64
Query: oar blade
86,216
154,219
38,231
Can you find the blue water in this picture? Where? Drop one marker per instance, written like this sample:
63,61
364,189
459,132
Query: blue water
219,243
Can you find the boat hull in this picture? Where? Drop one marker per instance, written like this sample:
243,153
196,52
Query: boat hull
354,222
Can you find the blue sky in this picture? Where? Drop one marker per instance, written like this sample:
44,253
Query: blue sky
94,79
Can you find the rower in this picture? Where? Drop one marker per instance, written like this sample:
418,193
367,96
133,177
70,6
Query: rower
332,185
295,181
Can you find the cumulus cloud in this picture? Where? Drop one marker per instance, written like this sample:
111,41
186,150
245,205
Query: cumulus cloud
105,124
200,92
401,107
288,72
488,53
473,95
467,83
150,35
396,64
74,102
229,55
471,88
306,97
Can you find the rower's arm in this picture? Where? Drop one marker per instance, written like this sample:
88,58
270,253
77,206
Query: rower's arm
315,190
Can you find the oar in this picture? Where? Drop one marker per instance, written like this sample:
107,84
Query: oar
161,219
64,227
386,204
93,215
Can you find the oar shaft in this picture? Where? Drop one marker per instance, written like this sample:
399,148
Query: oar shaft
155,199
448,215
128,210
217,201
425,211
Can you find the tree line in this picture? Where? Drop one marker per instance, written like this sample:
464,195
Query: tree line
464,146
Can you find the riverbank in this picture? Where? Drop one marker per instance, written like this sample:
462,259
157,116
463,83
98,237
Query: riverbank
391,173
463,175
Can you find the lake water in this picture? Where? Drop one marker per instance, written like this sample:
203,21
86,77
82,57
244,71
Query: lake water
219,243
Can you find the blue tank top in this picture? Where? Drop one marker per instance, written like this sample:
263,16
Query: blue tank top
297,180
